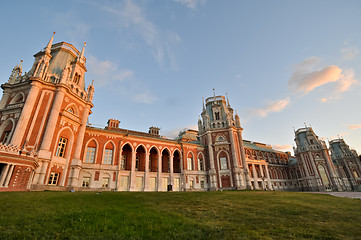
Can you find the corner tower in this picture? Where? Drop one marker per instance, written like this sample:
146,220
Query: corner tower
48,108
315,162
220,131
347,163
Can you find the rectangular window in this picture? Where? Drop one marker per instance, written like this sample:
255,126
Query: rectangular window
86,182
217,115
136,163
223,161
90,155
200,164
124,182
54,177
105,182
164,184
60,151
108,156
176,184
189,164
191,184
139,183
202,183
123,161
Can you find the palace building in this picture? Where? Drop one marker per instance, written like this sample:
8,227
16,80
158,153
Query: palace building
46,144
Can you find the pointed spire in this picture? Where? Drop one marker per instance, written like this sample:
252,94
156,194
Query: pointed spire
82,52
48,47
228,105
203,104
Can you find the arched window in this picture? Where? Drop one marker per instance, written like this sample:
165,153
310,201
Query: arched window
200,163
76,78
323,174
190,165
108,154
90,152
223,163
6,131
125,160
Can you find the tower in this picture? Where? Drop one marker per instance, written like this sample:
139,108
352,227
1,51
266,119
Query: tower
315,162
220,131
347,164
44,113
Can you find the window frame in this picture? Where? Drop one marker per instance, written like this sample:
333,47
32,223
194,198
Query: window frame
61,148
90,155
88,182
108,156
105,182
54,178
223,162
190,163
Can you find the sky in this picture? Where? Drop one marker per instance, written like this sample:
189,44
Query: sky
283,64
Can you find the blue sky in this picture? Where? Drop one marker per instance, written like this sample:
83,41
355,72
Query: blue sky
282,63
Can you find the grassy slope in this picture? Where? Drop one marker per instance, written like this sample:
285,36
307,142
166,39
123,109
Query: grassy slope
196,215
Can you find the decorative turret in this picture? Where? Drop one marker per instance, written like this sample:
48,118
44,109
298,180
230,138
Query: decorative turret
200,125
81,56
238,121
90,91
47,49
16,73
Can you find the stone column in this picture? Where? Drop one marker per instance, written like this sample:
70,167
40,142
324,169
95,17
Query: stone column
146,172
243,158
262,176
50,127
304,166
268,178
255,183
76,162
171,181
42,173
25,115
234,158
117,187
132,172
4,173
4,99
159,176
212,170
8,177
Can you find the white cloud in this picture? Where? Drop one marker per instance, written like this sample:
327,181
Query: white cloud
273,106
354,126
282,147
173,133
349,53
346,81
191,4
106,72
306,77
144,97
69,23
132,16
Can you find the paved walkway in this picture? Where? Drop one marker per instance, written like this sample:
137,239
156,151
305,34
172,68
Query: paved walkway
343,194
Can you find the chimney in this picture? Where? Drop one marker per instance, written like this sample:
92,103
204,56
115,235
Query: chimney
113,124
154,131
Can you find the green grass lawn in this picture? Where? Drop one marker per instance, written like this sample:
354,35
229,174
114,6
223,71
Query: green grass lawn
188,215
